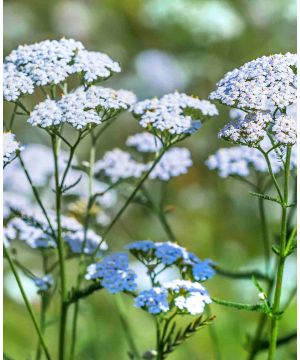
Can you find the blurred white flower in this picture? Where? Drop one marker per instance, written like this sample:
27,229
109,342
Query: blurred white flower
160,72
214,19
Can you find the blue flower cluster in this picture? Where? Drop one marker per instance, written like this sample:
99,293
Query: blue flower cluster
169,253
154,300
113,272
203,270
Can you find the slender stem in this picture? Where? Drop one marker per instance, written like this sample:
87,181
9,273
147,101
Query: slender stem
130,198
214,336
281,260
86,225
27,303
44,304
60,247
272,174
158,341
265,235
42,324
36,195
259,329
127,330
242,274
160,213
239,306
11,121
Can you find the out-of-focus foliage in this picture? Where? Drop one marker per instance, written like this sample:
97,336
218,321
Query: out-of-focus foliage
164,45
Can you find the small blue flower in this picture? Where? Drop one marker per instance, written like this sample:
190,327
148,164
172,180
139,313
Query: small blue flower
154,300
203,270
113,273
143,246
169,252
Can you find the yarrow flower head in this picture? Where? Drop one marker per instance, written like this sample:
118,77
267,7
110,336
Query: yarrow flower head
82,107
92,241
155,300
238,160
113,273
249,130
32,228
10,147
203,270
44,283
144,142
189,297
263,84
119,165
50,63
175,114
285,130
174,162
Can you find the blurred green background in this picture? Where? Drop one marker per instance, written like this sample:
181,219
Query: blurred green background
164,45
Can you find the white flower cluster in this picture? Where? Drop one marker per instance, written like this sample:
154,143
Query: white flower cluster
119,165
14,178
34,230
285,130
238,160
51,62
188,297
249,130
15,83
114,273
262,84
144,142
10,147
174,162
175,114
82,107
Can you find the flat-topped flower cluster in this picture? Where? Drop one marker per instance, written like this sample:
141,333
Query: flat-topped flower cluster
263,84
82,107
175,114
51,62
117,165
266,89
32,228
185,296
10,147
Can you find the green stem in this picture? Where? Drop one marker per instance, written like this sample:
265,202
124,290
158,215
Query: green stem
27,303
158,341
42,324
44,304
272,174
127,330
265,235
81,259
36,195
239,306
281,260
159,212
129,200
60,247
11,121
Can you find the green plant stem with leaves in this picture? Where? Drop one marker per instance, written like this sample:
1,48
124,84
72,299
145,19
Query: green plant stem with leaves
86,226
60,248
282,254
27,303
